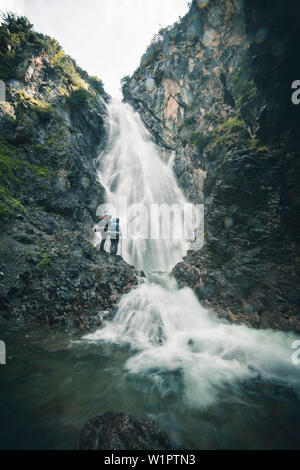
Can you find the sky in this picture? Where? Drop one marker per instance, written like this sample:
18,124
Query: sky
106,37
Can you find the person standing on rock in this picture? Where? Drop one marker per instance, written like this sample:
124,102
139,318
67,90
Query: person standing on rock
114,232
103,225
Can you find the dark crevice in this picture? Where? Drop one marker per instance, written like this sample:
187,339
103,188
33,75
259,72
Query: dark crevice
228,98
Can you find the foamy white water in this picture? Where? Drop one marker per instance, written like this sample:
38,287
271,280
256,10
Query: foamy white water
166,327
132,169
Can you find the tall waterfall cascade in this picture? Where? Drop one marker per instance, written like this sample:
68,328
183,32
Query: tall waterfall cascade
134,177
167,329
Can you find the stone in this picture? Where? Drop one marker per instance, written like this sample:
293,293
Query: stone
119,431
237,146
47,240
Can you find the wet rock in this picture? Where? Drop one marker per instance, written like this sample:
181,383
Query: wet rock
222,102
49,137
119,431
45,281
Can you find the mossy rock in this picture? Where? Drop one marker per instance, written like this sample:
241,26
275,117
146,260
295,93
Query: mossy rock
78,99
9,204
14,174
44,260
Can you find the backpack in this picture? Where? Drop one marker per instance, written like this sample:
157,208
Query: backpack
114,226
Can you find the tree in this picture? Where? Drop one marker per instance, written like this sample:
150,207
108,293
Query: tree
16,24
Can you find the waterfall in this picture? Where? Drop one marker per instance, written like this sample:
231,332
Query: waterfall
167,329
133,170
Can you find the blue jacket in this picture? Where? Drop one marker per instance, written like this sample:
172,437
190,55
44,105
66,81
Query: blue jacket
114,227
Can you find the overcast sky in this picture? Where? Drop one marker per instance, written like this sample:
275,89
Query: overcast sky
106,37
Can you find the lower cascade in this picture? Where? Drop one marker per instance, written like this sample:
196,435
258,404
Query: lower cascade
166,328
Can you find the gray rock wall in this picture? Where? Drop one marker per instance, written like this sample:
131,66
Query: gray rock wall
52,126
216,88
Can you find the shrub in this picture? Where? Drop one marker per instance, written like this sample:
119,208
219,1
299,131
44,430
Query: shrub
66,66
78,98
15,33
229,127
232,125
200,140
96,83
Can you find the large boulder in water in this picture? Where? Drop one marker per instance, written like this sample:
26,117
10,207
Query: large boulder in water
119,431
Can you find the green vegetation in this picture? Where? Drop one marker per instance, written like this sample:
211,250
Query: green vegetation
44,110
153,52
39,170
227,129
79,98
38,111
124,84
96,83
244,88
8,109
17,34
218,136
10,164
44,260
58,57
200,140
66,68
11,171
8,204
8,161
163,33
90,251
39,148
14,32
258,146
231,126
213,118
55,141
72,75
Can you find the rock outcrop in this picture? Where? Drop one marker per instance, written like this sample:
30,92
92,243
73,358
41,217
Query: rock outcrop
52,126
216,89
119,431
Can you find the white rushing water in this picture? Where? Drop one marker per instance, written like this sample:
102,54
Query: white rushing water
166,327
132,171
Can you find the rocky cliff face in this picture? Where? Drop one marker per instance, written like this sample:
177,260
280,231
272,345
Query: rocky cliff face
52,126
216,88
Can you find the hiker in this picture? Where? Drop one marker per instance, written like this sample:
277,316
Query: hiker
103,225
114,233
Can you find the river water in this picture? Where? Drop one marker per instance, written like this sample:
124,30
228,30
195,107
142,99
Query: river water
209,384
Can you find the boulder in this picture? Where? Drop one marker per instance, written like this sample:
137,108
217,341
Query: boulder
119,431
